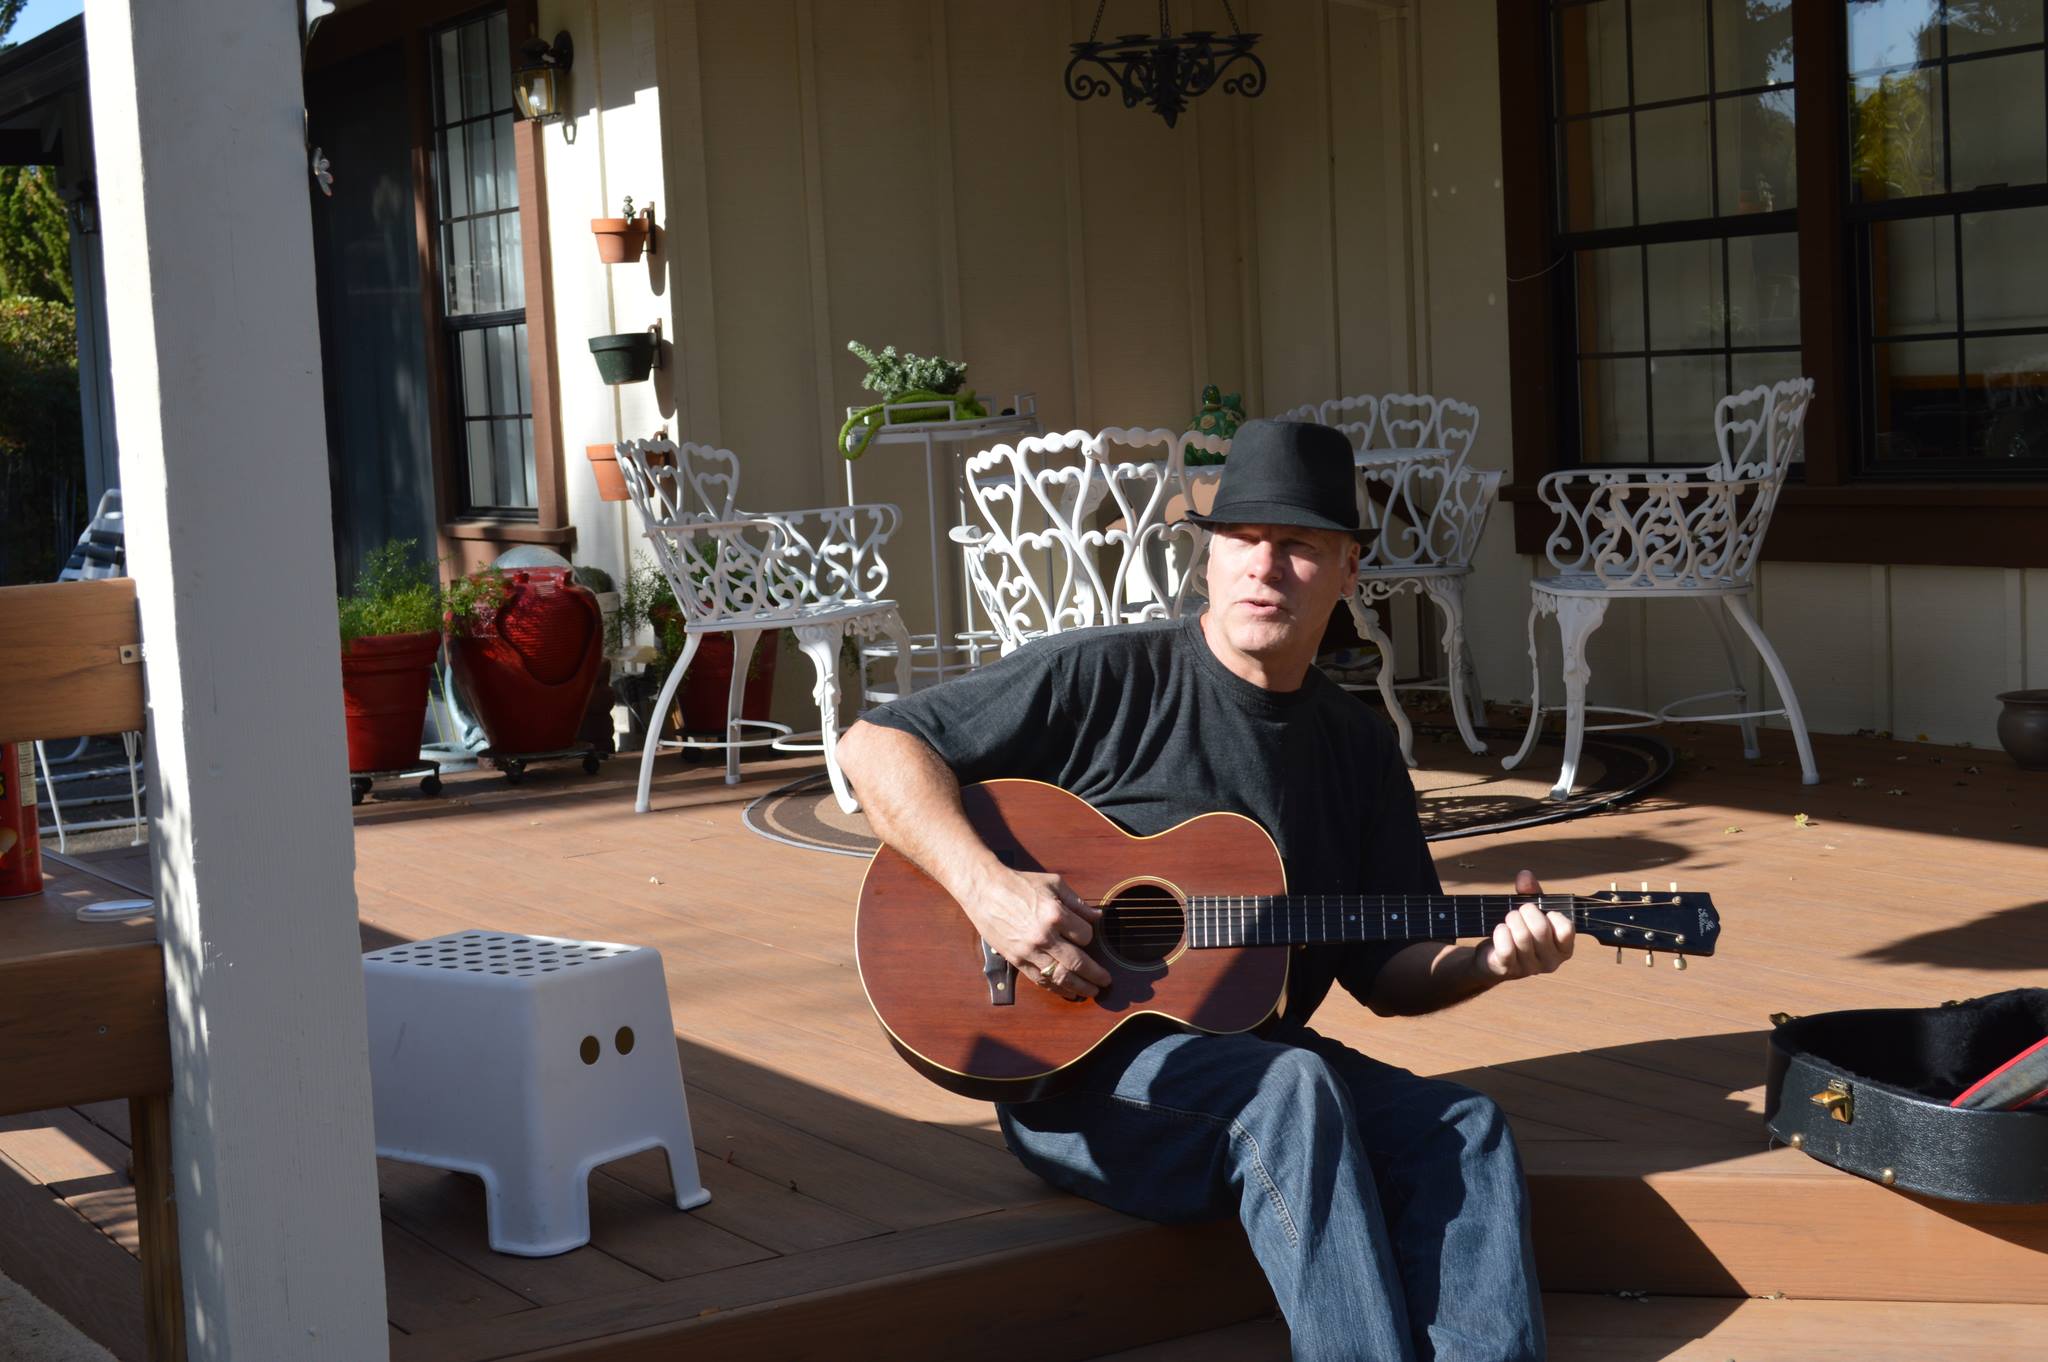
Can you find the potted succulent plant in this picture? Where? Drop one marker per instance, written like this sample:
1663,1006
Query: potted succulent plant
919,387
622,238
390,636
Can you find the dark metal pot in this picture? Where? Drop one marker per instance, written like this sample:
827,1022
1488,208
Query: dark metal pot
2023,727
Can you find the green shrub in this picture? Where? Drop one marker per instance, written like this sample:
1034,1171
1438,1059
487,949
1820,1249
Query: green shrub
396,593
42,460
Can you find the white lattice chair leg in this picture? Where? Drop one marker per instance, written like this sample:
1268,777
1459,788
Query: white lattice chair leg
1539,606
743,641
1738,607
1577,618
1368,621
528,1061
659,716
820,643
1739,685
1448,594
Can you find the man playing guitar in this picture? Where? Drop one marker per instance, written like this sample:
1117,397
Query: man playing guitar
1388,1211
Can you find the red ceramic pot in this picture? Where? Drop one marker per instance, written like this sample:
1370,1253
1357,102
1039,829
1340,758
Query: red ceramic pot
528,667
708,684
384,698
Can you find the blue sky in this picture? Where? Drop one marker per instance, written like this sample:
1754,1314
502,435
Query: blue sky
38,15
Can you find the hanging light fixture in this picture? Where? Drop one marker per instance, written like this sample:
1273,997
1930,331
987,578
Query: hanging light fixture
537,83
1165,71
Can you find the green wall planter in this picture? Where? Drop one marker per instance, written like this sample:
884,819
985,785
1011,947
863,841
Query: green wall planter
627,357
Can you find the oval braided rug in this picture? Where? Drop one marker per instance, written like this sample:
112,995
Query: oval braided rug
1459,794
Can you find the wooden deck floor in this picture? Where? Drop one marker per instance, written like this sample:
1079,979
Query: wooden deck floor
858,1211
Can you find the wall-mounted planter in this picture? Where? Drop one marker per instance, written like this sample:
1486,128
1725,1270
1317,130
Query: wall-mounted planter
2023,727
604,466
623,239
628,356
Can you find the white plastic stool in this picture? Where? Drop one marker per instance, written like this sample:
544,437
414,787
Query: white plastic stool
528,1061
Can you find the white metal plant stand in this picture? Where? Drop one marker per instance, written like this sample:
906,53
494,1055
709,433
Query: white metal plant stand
817,572
936,657
1670,534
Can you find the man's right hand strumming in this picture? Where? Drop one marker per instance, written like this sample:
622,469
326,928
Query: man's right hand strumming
912,800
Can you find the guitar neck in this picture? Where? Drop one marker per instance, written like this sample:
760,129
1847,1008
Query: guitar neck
1332,919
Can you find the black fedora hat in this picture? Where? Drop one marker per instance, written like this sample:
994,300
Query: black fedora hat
1286,473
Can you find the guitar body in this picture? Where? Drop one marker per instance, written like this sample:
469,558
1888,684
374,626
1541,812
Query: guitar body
979,1029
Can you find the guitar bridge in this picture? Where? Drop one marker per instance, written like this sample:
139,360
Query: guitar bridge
1001,976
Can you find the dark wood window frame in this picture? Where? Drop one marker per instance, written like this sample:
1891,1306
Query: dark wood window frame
409,24
1831,514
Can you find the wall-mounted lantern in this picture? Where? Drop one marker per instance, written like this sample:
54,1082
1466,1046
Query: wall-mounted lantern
538,83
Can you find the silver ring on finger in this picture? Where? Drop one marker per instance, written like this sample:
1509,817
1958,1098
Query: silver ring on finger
1048,973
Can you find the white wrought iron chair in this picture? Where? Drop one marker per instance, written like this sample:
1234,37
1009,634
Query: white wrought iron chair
1038,560
1422,512
1670,534
818,572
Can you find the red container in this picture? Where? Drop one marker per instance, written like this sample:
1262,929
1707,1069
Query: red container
529,666
21,854
707,686
384,684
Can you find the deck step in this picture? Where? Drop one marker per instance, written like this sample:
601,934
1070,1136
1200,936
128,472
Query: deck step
1690,1329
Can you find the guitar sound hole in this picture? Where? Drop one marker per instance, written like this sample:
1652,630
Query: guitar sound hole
1143,924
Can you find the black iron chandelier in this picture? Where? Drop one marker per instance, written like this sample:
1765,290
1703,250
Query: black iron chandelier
1165,71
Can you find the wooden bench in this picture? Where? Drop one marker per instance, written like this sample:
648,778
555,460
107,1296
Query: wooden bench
82,1005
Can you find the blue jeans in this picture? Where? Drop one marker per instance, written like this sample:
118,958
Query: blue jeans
1387,1210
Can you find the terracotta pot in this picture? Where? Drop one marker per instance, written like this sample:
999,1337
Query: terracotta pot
619,239
2023,727
528,669
604,466
384,699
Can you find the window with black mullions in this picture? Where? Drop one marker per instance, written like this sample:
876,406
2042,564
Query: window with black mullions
1676,216
483,300
1948,207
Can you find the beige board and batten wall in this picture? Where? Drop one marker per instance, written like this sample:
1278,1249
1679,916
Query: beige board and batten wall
911,172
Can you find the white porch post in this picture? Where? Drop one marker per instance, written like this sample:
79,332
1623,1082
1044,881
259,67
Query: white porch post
215,355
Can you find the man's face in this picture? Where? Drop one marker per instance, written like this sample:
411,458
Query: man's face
1272,587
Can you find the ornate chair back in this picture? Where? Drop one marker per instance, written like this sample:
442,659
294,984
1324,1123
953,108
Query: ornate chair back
1072,530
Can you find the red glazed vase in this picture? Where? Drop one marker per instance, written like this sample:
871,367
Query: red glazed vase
384,699
707,686
529,666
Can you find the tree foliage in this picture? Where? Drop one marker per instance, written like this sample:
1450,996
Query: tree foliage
35,239
41,473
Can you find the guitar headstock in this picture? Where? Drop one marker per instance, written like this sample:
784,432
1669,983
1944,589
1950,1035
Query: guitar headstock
1675,923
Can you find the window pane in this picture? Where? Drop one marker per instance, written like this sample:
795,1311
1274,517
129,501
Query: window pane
460,269
1999,134
1755,141
455,172
1916,400
483,234
1672,164
482,160
1611,300
1751,371
1670,49
509,251
1752,43
2004,284
481,490
513,488
1594,153
2008,398
504,372
1982,25
507,187
450,49
1912,276
1763,290
1895,135
525,395
1886,33
530,495
1614,424
1685,299
476,72
1683,392
1592,47
500,60
476,380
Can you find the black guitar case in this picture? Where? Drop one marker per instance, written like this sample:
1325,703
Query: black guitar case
1868,1091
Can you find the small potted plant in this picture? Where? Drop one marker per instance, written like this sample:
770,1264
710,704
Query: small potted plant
623,238
627,356
921,388
390,637
526,645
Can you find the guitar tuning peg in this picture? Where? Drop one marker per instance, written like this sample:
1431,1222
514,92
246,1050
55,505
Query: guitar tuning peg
1678,963
1646,886
1617,955
1650,959
1674,886
1614,886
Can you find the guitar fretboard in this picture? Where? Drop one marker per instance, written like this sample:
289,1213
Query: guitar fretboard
1319,919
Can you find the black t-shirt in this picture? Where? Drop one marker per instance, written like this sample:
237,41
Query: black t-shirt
1147,724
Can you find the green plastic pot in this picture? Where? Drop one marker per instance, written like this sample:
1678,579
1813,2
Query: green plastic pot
627,357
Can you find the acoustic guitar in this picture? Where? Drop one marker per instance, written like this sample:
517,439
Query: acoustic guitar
1196,926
